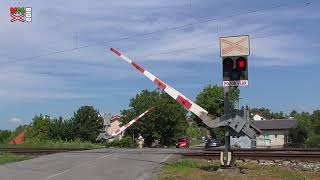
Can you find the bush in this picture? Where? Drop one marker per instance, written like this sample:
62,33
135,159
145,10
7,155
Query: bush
60,129
193,132
298,135
313,141
40,127
5,136
125,142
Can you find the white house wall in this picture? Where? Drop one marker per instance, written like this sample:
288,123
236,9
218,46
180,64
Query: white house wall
242,142
268,138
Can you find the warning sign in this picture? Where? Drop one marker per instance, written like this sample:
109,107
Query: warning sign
236,83
234,46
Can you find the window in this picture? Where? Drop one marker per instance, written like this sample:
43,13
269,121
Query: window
275,136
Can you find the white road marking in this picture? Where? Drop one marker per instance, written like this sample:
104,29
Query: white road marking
165,159
79,165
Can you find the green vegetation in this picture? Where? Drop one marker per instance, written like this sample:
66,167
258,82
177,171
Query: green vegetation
56,144
193,131
196,142
87,122
266,113
5,136
46,132
166,123
8,158
211,99
201,169
307,131
125,142
83,127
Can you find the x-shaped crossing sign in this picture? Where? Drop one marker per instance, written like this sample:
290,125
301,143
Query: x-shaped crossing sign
17,17
234,46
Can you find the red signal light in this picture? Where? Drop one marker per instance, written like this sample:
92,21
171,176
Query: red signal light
241,63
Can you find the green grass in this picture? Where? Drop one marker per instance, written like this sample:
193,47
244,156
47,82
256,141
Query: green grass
196,142
201,169
57,144
8,158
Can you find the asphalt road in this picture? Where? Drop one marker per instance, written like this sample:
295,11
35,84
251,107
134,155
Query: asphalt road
101,164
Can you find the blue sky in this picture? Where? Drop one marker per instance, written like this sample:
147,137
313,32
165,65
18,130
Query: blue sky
284,63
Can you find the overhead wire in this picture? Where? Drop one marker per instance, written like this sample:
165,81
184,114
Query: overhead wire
193,47
304,2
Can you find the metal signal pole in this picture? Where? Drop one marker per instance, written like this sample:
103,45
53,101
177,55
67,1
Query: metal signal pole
226,156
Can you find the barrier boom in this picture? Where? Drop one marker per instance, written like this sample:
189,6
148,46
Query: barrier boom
179,97
122,128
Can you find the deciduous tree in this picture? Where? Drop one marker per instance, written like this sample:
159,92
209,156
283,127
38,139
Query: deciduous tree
87,123
166,122
211,99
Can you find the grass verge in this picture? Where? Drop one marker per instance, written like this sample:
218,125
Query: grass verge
195,142
201,169
8,158
56,144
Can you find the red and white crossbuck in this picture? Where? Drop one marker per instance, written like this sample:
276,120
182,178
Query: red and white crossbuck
234,46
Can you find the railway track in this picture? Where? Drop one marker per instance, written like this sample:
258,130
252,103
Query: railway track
240,154
261,154
38,151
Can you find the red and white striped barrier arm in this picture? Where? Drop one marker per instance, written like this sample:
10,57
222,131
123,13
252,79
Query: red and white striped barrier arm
179,97
122,128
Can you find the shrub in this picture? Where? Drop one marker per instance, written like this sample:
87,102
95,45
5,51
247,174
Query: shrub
313,141
125,142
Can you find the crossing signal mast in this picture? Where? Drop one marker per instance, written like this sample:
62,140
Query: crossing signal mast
234,51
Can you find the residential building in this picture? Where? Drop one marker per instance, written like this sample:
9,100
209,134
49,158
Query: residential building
110,125
274,134
258,117
114,124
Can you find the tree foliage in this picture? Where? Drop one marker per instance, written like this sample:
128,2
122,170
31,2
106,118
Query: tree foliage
5,136
307,130
166,122
84,125
60,129
87,123
212,99
39,128
193,131
298,135
266,113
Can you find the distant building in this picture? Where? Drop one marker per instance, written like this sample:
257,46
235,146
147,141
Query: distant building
110,125
19,138
114,124
190,120
258,117
274,134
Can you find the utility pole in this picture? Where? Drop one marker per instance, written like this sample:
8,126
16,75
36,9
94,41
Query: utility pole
76,40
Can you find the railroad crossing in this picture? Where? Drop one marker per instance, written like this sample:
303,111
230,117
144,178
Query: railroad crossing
235,73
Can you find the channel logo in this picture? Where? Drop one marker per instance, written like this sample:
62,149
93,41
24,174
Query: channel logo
21,14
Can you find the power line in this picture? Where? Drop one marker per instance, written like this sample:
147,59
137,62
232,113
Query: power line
175,51
305,3
194,47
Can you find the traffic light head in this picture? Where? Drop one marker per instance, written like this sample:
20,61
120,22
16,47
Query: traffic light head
235,68
241,64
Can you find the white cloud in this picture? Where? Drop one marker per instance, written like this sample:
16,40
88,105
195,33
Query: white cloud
16,120
97,22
